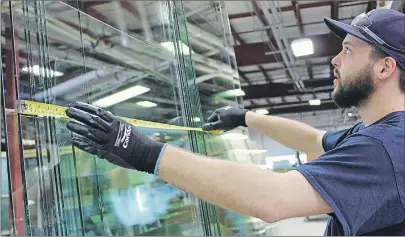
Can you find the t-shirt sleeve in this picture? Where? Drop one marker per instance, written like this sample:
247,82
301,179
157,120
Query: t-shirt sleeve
357,180
332,139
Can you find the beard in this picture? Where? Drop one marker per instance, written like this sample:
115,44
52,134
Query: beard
355,90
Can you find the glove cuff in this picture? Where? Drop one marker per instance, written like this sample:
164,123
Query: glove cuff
150,159
156,169
242,118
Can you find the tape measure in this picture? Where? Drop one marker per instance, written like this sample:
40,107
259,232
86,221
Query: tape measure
27,107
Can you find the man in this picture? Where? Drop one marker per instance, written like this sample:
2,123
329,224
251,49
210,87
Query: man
359,176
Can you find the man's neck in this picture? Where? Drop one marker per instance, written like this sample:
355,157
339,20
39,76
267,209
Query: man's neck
377,107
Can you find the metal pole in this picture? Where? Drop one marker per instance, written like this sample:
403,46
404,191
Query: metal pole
12,75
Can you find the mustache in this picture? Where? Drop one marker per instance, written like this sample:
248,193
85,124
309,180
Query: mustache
336,73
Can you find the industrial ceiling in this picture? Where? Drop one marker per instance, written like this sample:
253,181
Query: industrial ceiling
259,33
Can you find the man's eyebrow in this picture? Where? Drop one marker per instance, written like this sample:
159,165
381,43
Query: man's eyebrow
347,43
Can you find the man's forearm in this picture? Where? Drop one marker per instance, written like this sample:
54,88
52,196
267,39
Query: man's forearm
290,133
238,187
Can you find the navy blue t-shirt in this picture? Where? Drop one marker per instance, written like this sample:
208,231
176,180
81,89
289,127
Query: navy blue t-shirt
362,177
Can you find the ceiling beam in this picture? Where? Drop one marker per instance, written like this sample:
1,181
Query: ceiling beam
242,74
280,105
344,4
87,4
296,8
266,76
252,54
236,35
282,89
294,107
130,8
288,8
331,68
267,90
309,68
241,41
371,5
271,42
283,68
285,26
260,14
334,10
328,105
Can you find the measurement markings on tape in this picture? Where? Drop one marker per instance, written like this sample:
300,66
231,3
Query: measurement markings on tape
41,109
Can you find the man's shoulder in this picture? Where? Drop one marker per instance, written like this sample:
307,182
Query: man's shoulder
386,133
389,139
391,125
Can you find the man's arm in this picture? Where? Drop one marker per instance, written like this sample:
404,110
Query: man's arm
243,188
293,134
290,133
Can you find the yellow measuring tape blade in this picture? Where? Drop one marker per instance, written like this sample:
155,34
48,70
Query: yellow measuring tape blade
41,109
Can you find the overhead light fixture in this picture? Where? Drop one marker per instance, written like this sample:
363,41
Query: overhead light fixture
237,92
262,111
37,71
146,104
230,93
315,102
302,47
350,114
170,47
121,96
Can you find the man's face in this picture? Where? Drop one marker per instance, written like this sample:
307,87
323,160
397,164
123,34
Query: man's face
353,72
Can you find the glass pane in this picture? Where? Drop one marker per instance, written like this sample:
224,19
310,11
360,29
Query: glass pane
209,36
213,56
14,194
175,59
6,217
92,55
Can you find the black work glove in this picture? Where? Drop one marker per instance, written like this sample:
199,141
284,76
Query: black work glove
112,138
227,118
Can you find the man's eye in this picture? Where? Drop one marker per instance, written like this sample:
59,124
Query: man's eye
347,50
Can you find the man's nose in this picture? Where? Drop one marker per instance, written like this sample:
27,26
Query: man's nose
336,61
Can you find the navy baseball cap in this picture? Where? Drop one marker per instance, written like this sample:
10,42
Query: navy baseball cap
384,28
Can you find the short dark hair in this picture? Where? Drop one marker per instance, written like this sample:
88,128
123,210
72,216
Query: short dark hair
378,53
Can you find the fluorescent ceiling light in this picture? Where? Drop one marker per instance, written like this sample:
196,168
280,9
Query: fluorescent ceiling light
315,102
121,96
146,104
230,93
236,92
37,71
302,47
262,111
170,46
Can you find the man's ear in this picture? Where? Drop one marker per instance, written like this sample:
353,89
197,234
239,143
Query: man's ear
384,68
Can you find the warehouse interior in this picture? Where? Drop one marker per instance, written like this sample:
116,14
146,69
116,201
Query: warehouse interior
169,62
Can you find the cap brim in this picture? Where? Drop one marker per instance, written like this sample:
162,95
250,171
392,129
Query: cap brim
341,29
